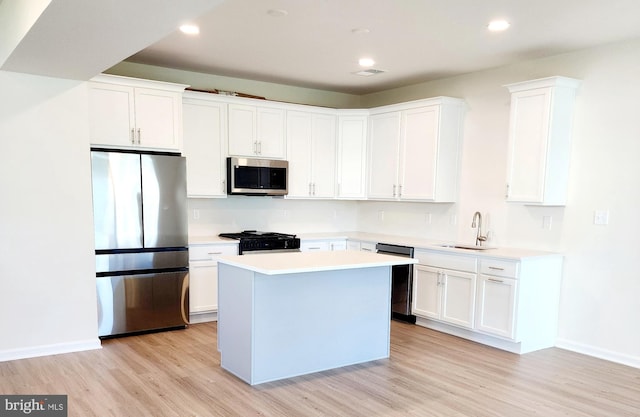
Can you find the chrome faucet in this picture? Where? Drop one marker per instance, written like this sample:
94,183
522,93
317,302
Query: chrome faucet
479,238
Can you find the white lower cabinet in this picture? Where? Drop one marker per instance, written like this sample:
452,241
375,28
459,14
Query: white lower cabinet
496,305
203,279
361,245
323,245
444,294
511,304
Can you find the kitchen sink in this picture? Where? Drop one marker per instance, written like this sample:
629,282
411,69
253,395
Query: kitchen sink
467,247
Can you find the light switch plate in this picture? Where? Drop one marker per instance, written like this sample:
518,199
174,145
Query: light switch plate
601,217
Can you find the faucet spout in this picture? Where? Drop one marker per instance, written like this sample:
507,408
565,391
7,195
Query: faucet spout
476,222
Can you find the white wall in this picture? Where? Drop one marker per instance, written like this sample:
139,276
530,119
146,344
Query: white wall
47,271
210,82
237,213
600,304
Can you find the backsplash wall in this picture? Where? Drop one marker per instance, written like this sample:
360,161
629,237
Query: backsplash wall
208,217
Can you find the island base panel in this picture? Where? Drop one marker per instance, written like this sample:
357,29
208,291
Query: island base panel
278,326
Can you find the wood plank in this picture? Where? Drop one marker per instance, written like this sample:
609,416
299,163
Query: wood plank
178,373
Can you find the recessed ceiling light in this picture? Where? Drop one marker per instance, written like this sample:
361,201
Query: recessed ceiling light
366,62
190,29
277,12
498,25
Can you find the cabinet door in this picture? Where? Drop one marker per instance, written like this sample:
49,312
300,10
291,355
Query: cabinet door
203,287
351,154
496,306
270,133
528,140
204,125
299,132
111,115
314,246
458,298
158,118
338,245
323,156
384,136
242,130
426,292
418,152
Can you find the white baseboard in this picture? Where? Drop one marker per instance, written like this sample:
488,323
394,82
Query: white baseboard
45,350
633,361
203,317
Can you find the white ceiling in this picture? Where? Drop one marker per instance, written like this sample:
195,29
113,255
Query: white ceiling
78,39
312,46
413,40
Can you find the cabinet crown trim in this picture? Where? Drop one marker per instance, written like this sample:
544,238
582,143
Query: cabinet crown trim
138,82
555,81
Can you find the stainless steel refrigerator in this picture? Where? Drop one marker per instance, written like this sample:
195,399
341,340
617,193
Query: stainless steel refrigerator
140,219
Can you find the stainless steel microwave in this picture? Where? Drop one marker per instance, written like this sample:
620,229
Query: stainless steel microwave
246,176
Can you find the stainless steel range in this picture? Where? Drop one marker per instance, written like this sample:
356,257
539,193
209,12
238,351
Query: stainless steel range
252,242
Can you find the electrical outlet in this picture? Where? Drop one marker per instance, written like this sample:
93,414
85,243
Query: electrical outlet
546,222
381,215
453,220
427,218
601,217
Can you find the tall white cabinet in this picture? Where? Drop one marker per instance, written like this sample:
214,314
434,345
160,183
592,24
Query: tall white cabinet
131,113
352,154
205,132
414,150
540,140
311,151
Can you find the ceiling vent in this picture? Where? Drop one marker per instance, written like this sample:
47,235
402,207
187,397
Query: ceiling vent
368,72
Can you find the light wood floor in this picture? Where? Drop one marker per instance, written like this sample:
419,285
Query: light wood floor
429,374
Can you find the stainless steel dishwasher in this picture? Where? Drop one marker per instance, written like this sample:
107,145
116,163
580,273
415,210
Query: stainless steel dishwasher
401,282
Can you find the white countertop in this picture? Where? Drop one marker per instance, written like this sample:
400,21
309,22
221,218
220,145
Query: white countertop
417,243
296,262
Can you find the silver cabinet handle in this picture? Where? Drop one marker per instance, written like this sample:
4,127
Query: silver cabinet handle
366,249
139,137
495,280
255,147
214,253
314,188
400,190
495,268
394,190
259,147
133,136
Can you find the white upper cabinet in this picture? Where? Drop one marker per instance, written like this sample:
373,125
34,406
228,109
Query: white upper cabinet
540,140
205,122
311,149
130,113
256,131
414,150
352,154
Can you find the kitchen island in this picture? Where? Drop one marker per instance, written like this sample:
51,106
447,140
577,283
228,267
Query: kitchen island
287,314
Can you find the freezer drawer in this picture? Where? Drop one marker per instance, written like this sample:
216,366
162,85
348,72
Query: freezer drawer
135,303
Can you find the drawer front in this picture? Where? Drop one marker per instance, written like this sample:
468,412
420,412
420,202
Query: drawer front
444,260
368,246
499,268
211,252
